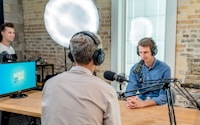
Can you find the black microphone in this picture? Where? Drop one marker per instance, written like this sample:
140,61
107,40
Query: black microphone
4,57
138,67
109,75
12,57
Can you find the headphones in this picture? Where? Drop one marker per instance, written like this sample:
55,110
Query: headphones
98,56
154,49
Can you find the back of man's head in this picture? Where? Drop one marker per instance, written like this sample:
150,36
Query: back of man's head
83,46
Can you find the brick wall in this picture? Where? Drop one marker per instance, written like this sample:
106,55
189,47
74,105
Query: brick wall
188,46
38,42
188,41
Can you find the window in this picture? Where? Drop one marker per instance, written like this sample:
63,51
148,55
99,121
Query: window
135,19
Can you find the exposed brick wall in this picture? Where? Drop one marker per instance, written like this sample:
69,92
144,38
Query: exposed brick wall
39,43
104,7
188,41
188,45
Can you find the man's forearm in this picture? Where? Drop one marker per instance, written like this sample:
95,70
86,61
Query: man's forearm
149,103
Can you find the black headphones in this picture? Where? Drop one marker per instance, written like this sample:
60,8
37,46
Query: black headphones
154,49
98,56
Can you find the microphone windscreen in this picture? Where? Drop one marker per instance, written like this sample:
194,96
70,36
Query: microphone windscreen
141,62
109,75
139,66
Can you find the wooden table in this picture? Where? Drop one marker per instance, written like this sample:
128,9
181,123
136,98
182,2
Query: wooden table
30,105
155,115
158,115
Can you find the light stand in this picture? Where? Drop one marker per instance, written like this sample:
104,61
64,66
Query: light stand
65,51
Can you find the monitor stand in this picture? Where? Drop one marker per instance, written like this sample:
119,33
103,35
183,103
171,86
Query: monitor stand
18,95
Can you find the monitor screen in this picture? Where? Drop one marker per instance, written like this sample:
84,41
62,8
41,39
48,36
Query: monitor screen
17,77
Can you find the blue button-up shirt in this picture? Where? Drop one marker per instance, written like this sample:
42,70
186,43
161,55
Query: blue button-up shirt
146,78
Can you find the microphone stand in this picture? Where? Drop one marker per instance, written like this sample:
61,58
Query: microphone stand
121,81
121,94
170,103
185,93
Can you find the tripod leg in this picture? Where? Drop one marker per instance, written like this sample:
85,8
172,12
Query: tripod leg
170,106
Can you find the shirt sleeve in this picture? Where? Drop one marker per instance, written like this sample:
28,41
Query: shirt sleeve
133,85
162,98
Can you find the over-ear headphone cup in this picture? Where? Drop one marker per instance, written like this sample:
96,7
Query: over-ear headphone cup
70,56
98,57
138,51
154,50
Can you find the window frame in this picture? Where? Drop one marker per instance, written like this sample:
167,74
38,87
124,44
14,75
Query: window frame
118,33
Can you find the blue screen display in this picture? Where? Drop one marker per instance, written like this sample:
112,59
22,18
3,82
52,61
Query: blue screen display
17,76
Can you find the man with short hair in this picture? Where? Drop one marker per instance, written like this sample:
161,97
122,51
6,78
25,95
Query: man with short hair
8,35
77,97
7,52
152,69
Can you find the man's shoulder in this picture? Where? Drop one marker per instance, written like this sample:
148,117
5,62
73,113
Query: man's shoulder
162,63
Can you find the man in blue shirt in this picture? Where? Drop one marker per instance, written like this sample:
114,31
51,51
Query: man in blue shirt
152,70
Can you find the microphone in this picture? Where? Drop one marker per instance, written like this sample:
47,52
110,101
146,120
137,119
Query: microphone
109,75
12,57
138,67
4,57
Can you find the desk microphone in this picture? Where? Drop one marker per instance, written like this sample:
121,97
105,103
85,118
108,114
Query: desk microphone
138,67
109,75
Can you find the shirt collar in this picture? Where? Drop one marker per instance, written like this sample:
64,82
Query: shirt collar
154,64
80,69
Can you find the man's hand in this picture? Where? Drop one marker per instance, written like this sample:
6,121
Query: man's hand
133,102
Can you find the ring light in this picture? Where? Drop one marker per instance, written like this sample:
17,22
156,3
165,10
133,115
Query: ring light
64,18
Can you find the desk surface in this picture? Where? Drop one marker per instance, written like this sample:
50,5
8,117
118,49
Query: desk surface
155,115
30,105
158,115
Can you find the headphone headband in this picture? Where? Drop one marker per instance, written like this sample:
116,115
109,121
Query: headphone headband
90,34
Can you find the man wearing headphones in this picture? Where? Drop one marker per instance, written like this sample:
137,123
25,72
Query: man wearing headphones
152,69
77,97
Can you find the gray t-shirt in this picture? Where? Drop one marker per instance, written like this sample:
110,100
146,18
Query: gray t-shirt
9,50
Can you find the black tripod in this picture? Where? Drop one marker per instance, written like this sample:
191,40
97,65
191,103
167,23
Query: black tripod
170,103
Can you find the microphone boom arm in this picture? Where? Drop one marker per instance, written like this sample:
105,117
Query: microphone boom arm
185,93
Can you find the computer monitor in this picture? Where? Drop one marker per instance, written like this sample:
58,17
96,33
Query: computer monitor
17,77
